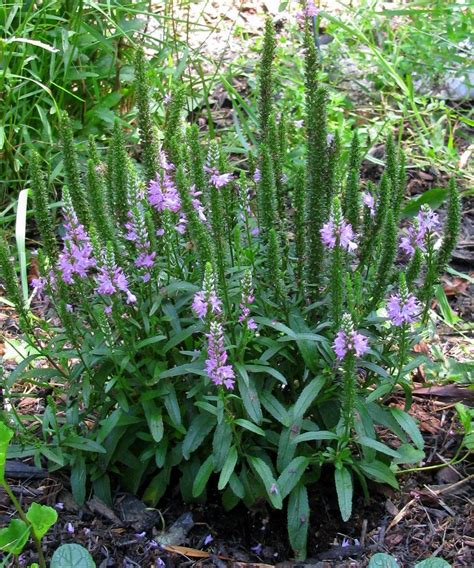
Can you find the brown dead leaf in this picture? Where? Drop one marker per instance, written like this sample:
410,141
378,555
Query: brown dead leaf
455,286
450,392
422,347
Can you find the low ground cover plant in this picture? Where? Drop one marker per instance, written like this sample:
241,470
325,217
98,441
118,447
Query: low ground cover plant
234,329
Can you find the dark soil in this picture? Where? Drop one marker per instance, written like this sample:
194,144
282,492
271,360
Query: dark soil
432,514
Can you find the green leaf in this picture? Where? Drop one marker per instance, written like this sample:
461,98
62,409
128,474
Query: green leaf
274,407
378,446
202,476
409,454
409,425
382,560
250,399
379,472
221,443
291,475
448,315
42,518
434,197
72,556
307,396
78,480
249,426
228,468
286,448
154,420
433,563
269,482
267,370
200,427
319,435
298,520
172,407
5,436
344,488
14,537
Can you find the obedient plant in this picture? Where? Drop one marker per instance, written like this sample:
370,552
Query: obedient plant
220,327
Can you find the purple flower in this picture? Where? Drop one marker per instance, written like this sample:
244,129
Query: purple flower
255,232
350,341
208,540
274,489
257,176
112,280
369,202
216,368
247,299
333,234
76,257
162,192
257,549
204,303
196,201
181,225
145,260
298,123
39,285
216,179
424,224
59,506
70,528
310,11
402,310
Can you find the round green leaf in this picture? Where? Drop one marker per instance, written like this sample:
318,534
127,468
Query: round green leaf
72,556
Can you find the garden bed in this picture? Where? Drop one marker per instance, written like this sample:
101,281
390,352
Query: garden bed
432,514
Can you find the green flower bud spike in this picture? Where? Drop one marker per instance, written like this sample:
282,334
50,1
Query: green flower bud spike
352,194
44,221
265,80
145,122
71,170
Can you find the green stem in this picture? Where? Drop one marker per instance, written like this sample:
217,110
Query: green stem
22,515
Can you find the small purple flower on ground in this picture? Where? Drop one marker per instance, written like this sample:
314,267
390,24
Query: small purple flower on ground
70,528
208,540
257,176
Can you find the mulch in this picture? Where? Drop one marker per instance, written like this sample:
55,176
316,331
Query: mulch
431,515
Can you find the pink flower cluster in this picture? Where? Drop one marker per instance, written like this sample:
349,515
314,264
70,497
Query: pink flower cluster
350,342
340,234
369,202
247,299
205,303
310,11
426,222
112,280
402,310
218,371
76,257
217,179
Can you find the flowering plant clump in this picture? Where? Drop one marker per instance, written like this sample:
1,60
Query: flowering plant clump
239,329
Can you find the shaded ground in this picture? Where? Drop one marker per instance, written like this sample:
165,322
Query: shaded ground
432,514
